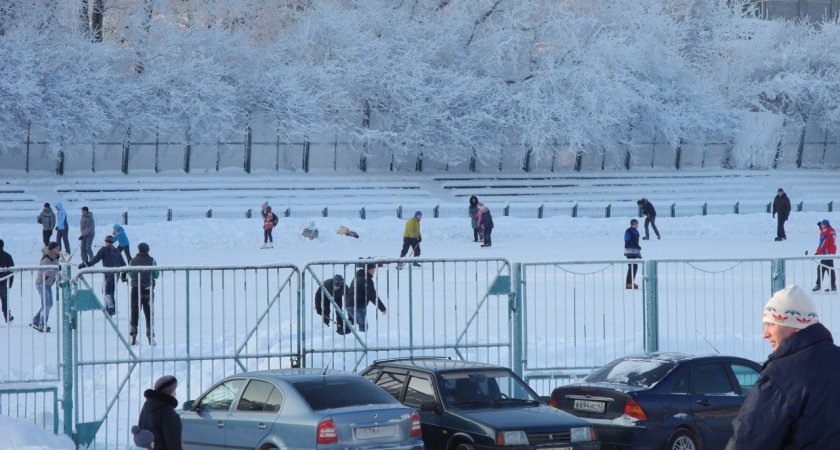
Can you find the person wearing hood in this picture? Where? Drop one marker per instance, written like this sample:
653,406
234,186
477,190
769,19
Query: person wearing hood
158,414
47,221
486,225
793,402
142,288
828,246
87,230
122,241
6,279
44,281
62,230
110,257
362,291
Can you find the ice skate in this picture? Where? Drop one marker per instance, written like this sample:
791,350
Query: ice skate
631,286
265,245
416,264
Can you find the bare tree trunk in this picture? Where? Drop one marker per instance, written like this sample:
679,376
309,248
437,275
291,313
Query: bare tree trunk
96,19
84,18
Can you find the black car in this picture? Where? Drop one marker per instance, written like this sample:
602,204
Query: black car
673,401
467,406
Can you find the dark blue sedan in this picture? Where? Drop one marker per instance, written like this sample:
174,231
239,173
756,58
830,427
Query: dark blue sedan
673,401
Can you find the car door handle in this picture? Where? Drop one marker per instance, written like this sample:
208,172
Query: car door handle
261,426
703,402
220,424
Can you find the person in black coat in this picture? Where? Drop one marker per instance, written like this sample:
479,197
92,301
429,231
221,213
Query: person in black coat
632,250
6,279
781,211
793,403
158,414
142,290
647,210
362,291
110,257
486,226
335,288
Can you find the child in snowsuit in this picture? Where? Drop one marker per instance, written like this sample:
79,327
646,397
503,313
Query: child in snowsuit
269,222
486,226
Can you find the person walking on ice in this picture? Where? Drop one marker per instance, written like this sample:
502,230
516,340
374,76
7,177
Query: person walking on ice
412,238
269,222
142,292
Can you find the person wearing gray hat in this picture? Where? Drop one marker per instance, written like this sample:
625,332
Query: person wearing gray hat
47,221
632,250
110,257
158,414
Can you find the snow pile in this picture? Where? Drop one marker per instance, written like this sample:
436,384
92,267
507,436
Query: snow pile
24,435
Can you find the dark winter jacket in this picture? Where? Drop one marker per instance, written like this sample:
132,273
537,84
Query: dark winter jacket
631,243
473,211
47,277
87,227
486,220
781,206
363,291
146,279
322,302
646,208
6,261
110,257
47,219
158,416
794,401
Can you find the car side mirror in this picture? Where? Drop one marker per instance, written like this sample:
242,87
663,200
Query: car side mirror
189,405
430,407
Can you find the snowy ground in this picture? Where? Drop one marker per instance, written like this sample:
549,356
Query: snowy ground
220,241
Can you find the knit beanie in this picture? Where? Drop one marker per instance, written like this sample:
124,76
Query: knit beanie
166,384
142,438
792,308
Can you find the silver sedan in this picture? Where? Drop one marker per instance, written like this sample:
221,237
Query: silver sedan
293,409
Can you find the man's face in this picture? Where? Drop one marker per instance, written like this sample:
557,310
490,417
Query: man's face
780,193
776,334
84,213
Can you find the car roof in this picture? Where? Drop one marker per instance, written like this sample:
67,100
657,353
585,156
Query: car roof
677,357
430,364
293,375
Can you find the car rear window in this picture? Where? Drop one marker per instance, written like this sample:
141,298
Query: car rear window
635,372
339,393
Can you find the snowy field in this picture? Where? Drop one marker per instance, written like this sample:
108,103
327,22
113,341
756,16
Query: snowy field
212,242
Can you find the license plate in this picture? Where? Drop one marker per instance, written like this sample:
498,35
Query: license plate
376,432
555,448
589,405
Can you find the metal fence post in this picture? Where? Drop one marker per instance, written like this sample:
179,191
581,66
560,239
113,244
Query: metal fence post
651,308
777,276
517,363
68,361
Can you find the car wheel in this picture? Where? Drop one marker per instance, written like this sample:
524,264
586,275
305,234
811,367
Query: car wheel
465,446
683,440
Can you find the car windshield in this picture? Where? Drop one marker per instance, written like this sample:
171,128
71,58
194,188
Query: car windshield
486,387
326,393
635,372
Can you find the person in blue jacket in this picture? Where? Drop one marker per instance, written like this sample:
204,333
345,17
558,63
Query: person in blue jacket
632,250
61,228
793,403
122,241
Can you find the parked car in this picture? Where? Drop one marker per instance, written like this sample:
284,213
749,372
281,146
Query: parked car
673,401
293,409
467,406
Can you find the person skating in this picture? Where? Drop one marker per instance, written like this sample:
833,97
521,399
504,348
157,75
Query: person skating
781,211
362,291
269,222
62,230
142,291
473,213
632,250
412,237
122,241
792,403
44,281
486,226
647,210
7,278
827,246
47,221
110,257
158,414
335,288
87,231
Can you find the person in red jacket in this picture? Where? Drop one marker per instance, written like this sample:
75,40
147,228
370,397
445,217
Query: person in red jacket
827,246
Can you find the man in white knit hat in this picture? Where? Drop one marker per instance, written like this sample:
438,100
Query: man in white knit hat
793,403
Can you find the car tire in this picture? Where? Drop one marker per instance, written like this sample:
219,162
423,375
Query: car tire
683,439
465,446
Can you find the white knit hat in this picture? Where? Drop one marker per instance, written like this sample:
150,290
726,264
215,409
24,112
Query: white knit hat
791,307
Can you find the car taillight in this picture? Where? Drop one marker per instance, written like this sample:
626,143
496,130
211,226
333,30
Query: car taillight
416,431
634,410
326,433
554,403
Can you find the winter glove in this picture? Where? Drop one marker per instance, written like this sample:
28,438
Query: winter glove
774,215
81,237
82,266
124,278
